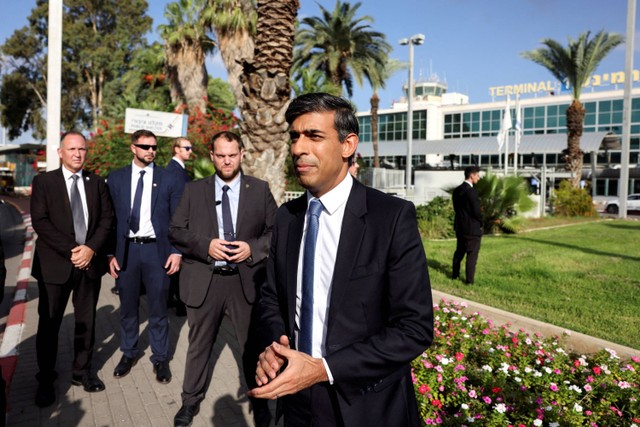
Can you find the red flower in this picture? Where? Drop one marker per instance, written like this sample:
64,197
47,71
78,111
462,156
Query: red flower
597,370
459,356
423,389
496,390
436,402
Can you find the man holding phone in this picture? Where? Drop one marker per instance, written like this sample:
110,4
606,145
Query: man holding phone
222,226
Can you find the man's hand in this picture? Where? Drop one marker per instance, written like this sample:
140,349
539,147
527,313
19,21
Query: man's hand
114,267
230,251
81,256
302,372
270,362
173,264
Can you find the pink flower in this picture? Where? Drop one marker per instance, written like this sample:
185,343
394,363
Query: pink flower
423,389
553,387
635,359
473,394
486,399
590,379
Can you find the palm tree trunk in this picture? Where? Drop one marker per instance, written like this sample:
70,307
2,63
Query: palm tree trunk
573,154
375,103
266,93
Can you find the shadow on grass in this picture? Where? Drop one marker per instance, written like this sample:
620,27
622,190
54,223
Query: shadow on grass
582,249
439,266
630,226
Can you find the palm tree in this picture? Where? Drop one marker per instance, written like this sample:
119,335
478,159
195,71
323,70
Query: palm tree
256,43
311,81
382,74
186,45
342,45
573,65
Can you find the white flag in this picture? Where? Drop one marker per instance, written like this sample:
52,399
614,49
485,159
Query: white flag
518,124
505,125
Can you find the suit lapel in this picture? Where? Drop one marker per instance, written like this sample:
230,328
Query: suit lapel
155,187
210,203
245,197
59,181
294,241
353,230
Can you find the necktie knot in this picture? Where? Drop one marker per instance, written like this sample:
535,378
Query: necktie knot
142,173
75,177
225,188
315,207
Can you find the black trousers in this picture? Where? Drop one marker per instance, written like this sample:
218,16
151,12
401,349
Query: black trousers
51,305
225,295
469,246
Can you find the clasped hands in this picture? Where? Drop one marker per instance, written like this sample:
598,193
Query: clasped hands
81,257
302,371
231,251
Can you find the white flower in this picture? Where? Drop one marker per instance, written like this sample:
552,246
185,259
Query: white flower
537,374
501,407
554,424
624,384
575,388
577,407
548,370
487,368
612,354
527,370
444,361
517,379
464,406
537,423
471,420
548,408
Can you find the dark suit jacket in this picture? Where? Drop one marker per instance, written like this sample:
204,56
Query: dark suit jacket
195,223
176,169
466,204
380,316
165,196
53,222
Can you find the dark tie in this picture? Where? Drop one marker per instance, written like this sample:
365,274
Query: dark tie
227,220
134,219
79,226
305,339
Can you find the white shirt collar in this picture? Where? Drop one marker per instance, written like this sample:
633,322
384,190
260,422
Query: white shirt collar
66,173
136,169
179,160
233,185
337,196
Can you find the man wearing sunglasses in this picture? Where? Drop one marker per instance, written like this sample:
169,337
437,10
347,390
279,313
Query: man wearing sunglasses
144,197
182,150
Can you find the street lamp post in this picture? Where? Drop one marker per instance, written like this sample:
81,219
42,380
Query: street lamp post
416,39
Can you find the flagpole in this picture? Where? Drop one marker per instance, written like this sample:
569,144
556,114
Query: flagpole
518,135
506,152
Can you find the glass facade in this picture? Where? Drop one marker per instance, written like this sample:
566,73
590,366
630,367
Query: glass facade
393,126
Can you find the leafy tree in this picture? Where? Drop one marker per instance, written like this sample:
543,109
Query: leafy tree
187,43
573,65
570,201
502,199
220,94
99,40
343,46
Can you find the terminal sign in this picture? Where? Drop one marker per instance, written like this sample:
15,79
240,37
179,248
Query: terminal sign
162,124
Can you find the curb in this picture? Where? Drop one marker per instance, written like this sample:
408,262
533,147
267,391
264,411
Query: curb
576,341
17,313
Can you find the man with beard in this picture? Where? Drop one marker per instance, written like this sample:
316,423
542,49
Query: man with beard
223,228
144,197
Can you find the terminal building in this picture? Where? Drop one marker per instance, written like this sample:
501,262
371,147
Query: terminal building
449,132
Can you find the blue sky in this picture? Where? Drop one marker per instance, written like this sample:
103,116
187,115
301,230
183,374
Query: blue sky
471,44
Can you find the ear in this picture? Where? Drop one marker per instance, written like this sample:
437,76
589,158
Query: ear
133,149
349,145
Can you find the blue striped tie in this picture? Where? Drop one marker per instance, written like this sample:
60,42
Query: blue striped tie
305,339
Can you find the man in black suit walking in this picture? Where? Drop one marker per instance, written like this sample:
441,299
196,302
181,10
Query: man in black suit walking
347,287
72,214
223,228
467,224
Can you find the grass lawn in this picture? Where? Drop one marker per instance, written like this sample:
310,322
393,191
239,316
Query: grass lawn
584,277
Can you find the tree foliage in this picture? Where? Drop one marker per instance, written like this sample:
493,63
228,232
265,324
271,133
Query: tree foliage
343,46
99,40
573,65
570,201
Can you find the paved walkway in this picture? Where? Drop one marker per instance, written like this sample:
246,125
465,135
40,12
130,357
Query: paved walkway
136,400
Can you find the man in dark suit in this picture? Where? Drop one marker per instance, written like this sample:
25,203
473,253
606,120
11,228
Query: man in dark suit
467,224
72,215
144,198
221,271
182,150
347,287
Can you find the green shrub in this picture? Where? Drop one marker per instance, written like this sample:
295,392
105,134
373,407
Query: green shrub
435,220
502,199
569,201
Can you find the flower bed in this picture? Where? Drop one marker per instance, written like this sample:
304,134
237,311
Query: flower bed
476,374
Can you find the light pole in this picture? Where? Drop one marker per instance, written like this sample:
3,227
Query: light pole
416,39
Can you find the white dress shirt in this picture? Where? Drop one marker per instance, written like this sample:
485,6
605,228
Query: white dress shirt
66,173
146,227
329,229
